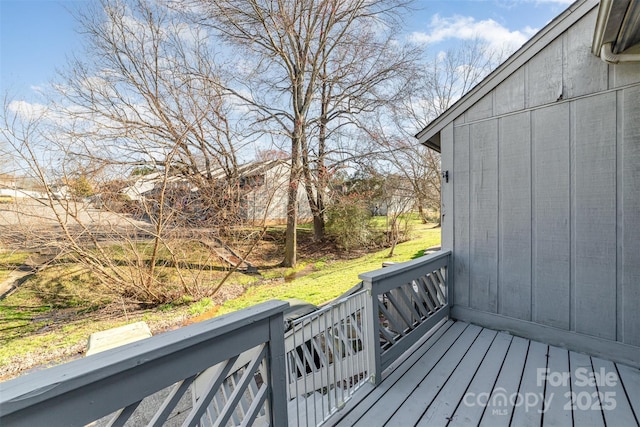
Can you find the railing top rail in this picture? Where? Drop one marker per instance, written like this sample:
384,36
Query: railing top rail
101,366
426,261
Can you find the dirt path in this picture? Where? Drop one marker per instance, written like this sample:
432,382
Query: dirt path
7,285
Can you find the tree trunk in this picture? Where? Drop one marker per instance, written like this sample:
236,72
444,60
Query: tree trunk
318,212
290,238
318,227
422,214
291,242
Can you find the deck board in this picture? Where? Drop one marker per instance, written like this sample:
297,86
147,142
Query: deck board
468,412
441,409
411,409
466,375
530,397
583,393
558,390
615,407
497,412
399,392
630,380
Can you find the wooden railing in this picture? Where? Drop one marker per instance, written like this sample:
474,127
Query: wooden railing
239,369
334,351
327,355
410,298
229,369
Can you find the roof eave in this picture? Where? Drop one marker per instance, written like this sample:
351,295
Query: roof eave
429,136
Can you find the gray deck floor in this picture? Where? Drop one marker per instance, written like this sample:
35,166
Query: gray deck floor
466,375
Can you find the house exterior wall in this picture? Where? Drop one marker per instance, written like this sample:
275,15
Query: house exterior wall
268,202
542,209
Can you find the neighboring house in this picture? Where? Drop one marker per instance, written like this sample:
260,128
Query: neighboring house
19,187
142,186
263,184
389,195
542,206
266,184
21,194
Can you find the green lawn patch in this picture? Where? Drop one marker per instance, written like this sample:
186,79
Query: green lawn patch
9,259
328,280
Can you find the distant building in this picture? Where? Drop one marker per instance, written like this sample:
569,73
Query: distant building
263,186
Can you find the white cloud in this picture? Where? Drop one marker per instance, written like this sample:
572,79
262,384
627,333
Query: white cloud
28,110
468,28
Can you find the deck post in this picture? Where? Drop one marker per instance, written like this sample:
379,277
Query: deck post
373,331
448,280
277,371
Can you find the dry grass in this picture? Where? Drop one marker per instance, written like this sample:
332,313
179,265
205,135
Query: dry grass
49,319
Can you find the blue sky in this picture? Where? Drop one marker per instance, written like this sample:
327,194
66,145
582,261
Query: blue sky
37,35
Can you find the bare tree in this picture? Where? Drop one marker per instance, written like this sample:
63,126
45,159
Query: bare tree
148,92
132,248
435,88
309,63
146,96
398,197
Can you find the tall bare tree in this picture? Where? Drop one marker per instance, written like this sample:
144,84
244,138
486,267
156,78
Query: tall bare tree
309,63
148,91
438,84
145,96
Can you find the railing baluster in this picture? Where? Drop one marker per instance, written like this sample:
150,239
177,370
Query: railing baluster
121,418
415,294
344,355
297,366
234,398
256,406
437,280
214,385
330,360
313,371
394,325
350,354
171,401
426,295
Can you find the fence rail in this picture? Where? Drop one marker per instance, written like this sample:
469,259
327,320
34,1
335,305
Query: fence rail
410,298
225,371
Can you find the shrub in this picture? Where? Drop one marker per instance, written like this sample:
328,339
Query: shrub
348,223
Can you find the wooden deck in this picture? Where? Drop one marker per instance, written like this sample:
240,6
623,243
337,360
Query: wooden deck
466,375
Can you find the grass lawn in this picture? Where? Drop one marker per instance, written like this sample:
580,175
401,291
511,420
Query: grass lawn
325,281
51,316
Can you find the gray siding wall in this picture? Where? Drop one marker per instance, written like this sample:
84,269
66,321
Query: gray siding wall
543,206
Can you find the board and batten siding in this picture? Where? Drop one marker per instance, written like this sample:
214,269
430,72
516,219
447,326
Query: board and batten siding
542,209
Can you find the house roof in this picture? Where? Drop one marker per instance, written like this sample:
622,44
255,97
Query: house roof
148,182
430,135
618,24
